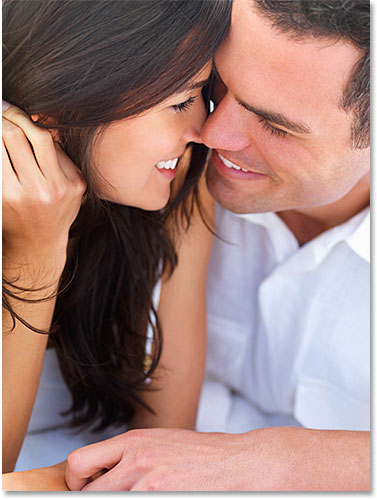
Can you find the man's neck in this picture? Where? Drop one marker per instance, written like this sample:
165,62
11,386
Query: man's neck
308,223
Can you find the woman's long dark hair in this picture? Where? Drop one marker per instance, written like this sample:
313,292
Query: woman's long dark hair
87,63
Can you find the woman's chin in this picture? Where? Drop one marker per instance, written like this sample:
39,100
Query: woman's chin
151,203
154,205
155,201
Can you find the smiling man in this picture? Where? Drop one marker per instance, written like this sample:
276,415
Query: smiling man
288,286
286,402
285,115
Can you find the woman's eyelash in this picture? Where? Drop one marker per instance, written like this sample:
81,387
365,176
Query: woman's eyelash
271,129
185,105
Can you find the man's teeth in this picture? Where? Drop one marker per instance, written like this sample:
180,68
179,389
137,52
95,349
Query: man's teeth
169,164
229,164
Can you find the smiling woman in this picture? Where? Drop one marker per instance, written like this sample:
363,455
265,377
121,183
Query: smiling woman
154,141
118,86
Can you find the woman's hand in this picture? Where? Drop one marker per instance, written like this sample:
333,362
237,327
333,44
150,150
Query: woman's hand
42,192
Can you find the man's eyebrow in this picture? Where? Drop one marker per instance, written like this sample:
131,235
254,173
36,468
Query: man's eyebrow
277,118
271,116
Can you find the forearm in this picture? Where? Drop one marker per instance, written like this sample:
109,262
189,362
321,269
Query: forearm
45,479
23,353
299,459
182,316
30,283
42,195
272,459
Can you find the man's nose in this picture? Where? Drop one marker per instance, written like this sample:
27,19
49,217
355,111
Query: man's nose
222,130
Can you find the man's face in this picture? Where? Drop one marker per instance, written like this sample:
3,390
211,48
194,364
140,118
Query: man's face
279,117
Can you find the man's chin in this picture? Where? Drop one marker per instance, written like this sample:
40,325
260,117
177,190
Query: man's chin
224,195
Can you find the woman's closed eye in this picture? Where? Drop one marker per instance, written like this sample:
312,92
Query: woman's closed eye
185,105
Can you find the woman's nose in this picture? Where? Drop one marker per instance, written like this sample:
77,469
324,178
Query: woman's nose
192,132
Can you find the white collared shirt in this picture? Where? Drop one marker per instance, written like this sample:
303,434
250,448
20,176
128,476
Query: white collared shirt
288,326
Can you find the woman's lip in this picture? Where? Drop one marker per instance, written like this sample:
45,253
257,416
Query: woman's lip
168,173
231,172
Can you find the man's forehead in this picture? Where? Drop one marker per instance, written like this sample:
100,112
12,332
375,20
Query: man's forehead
258,60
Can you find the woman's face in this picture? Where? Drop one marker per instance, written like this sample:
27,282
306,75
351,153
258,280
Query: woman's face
135,159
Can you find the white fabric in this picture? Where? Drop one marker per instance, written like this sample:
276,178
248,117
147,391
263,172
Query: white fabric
288,326
49,439
288,337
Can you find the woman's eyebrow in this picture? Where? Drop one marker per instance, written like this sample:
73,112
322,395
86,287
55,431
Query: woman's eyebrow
197,85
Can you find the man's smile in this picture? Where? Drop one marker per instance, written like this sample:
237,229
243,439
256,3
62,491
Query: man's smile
230,169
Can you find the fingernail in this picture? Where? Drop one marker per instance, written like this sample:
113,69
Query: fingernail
6,105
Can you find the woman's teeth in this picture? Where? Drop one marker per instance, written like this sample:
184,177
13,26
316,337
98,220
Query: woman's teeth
168,165
229,164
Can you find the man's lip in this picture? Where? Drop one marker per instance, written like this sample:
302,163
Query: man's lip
241,166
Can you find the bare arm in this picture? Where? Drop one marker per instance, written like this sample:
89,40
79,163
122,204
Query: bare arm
44,479
23,352
274,459
182,313
41,197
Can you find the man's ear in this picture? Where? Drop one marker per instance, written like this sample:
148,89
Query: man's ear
48,121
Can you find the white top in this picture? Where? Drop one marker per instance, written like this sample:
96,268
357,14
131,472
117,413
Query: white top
288,326
49,438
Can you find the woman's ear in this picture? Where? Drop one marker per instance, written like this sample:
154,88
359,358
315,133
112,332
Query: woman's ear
48,121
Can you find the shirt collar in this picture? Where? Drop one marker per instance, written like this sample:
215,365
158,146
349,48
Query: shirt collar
359,238
355,232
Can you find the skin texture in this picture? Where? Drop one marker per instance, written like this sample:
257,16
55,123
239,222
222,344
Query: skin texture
40,202
314,180
126,152
44,479
35,229
283,459
182,297
314,173
182,313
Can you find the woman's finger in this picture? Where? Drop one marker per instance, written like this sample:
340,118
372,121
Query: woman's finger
20,153
41,141
69,169
9,175
50,158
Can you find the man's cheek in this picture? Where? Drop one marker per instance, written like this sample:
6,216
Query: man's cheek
287,159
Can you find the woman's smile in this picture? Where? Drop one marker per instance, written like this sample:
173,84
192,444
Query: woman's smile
128,152
168,168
